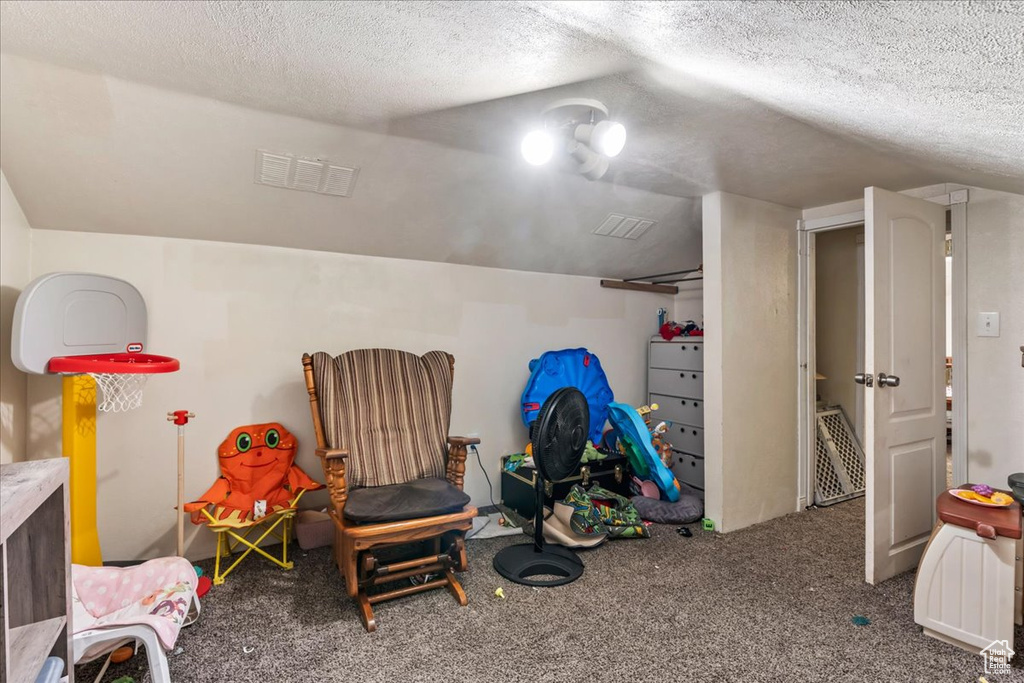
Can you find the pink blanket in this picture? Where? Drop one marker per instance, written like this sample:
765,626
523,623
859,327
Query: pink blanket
156,593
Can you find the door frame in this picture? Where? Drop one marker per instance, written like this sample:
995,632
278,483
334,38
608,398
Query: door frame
956,202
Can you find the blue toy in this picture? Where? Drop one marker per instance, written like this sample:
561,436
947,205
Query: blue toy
635,438
568,368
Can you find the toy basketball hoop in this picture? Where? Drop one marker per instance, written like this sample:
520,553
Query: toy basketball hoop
91,330
121,377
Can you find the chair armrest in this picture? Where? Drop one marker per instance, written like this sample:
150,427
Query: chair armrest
457,447
333,462
463,440
331,453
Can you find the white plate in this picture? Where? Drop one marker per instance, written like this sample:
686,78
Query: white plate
953,492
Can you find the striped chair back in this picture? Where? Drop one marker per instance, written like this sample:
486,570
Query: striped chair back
390,409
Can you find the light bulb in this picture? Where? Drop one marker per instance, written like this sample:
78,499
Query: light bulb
610,138
607,137
538,147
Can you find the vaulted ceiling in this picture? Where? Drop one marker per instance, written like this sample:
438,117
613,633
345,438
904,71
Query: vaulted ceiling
144,118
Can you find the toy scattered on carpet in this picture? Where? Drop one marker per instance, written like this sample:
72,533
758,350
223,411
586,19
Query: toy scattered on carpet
577,368
658,431
499,592
634,439
858,620
671,329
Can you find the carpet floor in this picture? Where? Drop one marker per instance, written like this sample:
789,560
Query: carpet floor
770,603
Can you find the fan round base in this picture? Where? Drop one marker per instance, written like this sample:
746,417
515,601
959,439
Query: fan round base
520,563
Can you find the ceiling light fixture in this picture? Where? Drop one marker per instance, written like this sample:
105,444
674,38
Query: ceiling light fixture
581,127
591,164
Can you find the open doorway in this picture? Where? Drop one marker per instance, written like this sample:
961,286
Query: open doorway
905,426
838,467
837,354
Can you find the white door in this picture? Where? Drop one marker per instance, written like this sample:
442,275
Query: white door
905,425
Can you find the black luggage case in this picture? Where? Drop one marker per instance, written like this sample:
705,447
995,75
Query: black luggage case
518,493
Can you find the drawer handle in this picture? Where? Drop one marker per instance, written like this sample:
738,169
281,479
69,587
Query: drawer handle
695,376
693,463
696,348
695,432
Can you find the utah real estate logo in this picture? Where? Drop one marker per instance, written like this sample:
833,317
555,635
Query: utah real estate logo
997,657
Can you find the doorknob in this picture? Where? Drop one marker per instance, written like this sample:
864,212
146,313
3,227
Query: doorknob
864,378
885,380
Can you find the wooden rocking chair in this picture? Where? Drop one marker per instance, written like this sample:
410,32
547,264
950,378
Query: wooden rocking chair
393,474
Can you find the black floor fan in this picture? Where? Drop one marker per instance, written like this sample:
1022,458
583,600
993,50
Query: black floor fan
559,436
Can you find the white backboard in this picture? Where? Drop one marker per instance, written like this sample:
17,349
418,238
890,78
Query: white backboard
75,314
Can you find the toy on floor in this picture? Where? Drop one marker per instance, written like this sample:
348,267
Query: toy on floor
568,368
634,437
91,330
966,592
658,431
260,486
180,418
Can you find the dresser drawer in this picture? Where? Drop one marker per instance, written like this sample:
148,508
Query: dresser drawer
685,411
681,383
677,355
689,469
686,438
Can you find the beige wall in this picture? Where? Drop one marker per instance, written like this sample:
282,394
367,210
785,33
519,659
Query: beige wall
689,304
15,241
240,317
836,313
995,282
750,373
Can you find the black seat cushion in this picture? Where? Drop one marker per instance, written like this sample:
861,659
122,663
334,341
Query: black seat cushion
419,498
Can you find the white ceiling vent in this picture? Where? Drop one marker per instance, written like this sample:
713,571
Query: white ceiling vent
308,175
626,227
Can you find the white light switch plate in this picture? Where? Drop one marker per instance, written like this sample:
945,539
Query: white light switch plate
988,324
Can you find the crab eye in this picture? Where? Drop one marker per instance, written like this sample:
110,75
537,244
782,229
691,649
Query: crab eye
243,442
273,438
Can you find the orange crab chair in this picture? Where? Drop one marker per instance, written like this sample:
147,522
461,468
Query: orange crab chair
257,493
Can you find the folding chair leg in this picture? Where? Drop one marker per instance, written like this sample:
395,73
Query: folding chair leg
284,541
218,579
251,546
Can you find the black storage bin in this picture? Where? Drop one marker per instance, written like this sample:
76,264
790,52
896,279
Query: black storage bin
518,493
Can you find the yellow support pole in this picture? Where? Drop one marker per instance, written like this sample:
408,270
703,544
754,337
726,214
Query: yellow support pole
79,430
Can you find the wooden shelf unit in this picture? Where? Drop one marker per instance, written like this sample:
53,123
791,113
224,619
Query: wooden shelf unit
36,568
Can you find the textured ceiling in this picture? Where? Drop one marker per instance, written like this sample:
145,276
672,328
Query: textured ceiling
98,154
797,103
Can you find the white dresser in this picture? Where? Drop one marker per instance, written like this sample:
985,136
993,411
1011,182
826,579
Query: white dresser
675,381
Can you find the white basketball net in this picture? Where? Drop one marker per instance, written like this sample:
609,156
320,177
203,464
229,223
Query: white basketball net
121,391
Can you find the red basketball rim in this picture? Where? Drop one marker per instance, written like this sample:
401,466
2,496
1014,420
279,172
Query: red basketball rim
114,363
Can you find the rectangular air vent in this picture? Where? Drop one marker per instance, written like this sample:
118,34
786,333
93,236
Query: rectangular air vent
626,227
308,175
